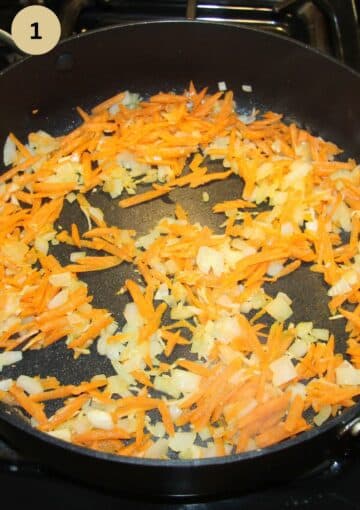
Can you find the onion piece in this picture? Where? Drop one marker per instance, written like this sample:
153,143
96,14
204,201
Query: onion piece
63,434
323,415
100,419
29,384
10,357
181,441
6,384
347,375
279,307
283,371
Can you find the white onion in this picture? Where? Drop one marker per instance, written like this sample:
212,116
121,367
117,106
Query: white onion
303,329
10,357
180,311
157,430
185,381
63,434
117,384
29,384
283,371
298,348
246,88
158,450
342,215
100,419
162,293
71,197
165,384
347,375
76,255
132,315
181,441
320,334
61,279
323,415
174,411
58,300
156,347
10,153
114,109
209,259
274,268
340,287
204,434
279,307
298,171
226,329
6,384
298,389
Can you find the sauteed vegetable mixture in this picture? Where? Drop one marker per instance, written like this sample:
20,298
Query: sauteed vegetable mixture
206,362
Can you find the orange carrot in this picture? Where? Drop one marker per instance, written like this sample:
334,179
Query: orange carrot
65,413
144,197
34,409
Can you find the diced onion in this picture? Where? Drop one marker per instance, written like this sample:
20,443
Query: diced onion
63,434
157,430
320,334
10,357
279,307
58,300
76,255
347,375
158,450
283,371
298,348
29,384
274,268
209,259
61,279
322,416
100,419
6,384
10,153
181,441
303,329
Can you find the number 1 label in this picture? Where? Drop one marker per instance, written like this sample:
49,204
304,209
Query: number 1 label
36,29
36,35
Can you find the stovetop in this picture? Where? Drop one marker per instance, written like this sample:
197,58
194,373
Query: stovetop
332,27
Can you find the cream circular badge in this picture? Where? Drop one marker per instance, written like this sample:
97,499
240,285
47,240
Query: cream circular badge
36,30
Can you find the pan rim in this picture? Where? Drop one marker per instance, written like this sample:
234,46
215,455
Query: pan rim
116,27
339,421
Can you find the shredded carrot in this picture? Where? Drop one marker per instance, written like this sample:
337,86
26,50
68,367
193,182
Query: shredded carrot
144,197
100,435
65,413
34,409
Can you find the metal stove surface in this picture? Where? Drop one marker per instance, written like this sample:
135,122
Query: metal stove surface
332,27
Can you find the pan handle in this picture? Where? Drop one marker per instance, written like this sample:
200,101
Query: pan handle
343,18
352,428
191,7
7,39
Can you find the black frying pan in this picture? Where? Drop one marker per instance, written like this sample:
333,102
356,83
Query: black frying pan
316,92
